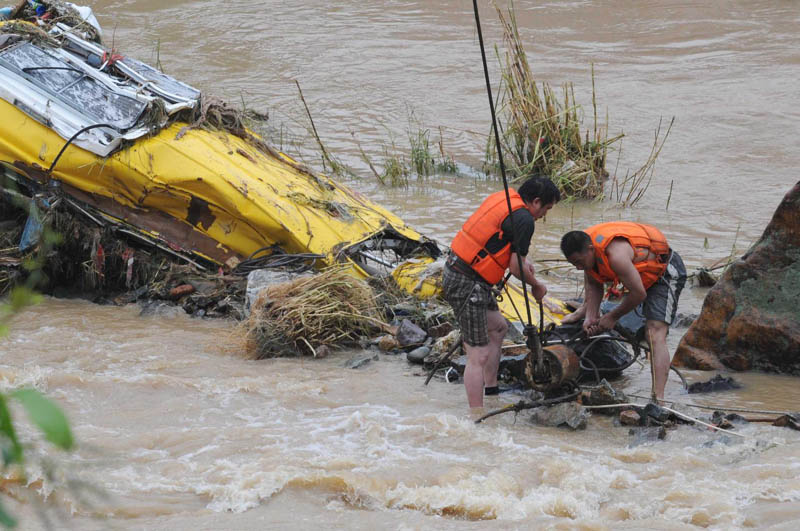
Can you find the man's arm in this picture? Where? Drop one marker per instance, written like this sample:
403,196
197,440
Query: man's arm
593,293
538,290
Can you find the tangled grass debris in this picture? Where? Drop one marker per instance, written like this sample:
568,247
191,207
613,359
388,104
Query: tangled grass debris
301,315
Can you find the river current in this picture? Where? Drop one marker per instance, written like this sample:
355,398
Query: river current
181,432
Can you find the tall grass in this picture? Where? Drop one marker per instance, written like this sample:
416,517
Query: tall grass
540,130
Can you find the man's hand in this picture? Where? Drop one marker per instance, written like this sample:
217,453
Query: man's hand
538,291
589,324
573,317
606,322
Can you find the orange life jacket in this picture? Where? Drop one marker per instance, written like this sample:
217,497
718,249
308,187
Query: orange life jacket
644,239
470,242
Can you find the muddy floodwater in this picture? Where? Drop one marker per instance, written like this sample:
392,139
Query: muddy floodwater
181,432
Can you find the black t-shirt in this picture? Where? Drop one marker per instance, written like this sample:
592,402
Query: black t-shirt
523,225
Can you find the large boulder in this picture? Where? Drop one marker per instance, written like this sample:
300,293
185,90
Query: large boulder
751,317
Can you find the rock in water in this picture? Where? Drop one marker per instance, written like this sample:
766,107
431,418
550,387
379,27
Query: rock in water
569,414
750,317
717,383
630,417
360,360
410,334
418,354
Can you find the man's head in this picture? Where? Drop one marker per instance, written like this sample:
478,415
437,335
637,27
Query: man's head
539,195
577,248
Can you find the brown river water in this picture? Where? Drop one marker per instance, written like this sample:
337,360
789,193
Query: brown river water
180,432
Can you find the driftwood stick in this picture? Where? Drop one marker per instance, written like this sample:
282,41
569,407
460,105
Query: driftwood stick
456,344
523,404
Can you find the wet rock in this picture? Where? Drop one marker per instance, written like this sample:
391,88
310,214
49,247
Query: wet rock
683,320
410,334
720,420
132,296
388,343
440,330
179,291
646,434
749,318
603,395
161,309
569,414
656,412
630,417
717,383
705,278
360,360
418,354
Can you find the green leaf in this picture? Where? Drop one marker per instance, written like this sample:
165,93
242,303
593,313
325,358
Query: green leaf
12,454
22,296
52,238
47,416
6,519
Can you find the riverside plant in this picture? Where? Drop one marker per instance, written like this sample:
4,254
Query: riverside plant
423,160
540,132
42,412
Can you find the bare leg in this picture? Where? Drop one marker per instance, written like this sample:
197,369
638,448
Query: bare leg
483,361
477,358
498,326
660,355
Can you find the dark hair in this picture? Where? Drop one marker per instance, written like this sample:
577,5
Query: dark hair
575,241
540,187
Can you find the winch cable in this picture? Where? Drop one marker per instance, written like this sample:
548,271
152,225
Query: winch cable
532,335
72,139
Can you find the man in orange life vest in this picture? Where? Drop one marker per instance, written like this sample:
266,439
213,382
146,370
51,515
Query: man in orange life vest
480,253
639,257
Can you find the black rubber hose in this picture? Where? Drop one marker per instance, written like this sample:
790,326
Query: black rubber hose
72,138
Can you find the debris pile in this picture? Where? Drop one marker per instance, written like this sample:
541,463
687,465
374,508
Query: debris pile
299,316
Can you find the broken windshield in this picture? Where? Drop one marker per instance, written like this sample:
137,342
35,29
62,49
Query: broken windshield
72,86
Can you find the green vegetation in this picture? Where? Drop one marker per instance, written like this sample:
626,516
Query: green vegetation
42,412
422,160
541,135
540,132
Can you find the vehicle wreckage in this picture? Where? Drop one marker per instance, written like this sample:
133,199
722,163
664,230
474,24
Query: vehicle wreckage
135,168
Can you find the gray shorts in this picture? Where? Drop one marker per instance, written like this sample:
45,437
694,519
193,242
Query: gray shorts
471,301
661,303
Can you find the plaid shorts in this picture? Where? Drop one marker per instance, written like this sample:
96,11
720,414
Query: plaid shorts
661,303
470,299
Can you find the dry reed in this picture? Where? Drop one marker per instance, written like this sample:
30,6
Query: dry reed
540,135
297,317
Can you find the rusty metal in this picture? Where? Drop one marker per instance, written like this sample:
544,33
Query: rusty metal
560,365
